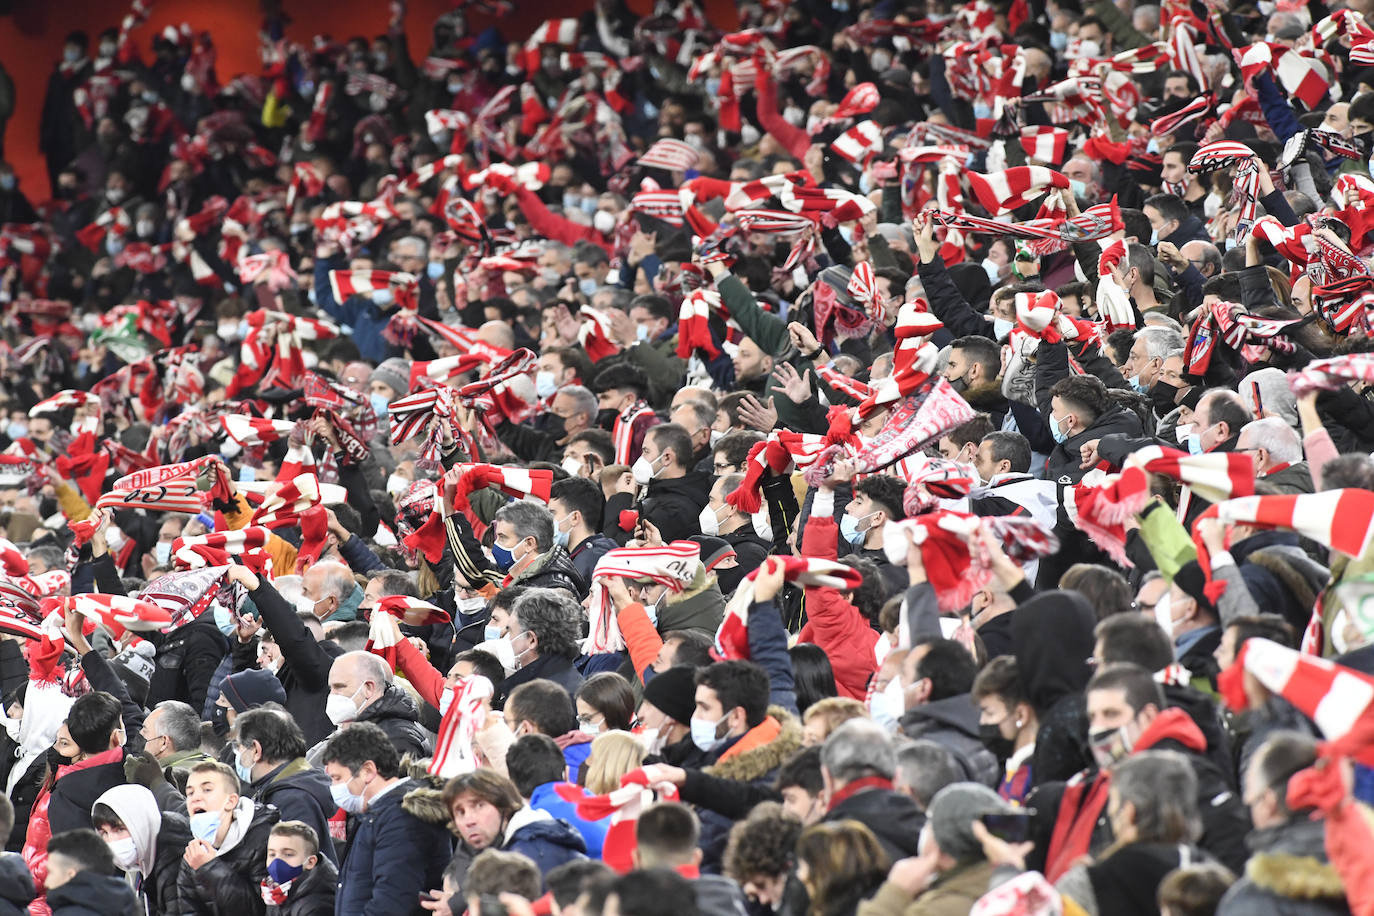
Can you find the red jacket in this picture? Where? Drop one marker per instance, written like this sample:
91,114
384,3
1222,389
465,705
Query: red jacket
40,831
833,623
549,224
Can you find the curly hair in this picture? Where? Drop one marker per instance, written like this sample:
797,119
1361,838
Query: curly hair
762,844
554,618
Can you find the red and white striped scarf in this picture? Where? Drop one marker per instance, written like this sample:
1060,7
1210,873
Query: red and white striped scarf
622,433
1333,373
594,334
732,637
116,613
454,751
514,481
1225,154
381,636
170,487
671,565
693,323
670,154
1010,189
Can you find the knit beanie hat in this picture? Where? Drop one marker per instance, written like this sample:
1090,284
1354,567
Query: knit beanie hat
393,373
252,688
674,692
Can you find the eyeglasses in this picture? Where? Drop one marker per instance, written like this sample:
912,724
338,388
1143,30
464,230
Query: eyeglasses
591,720
722,467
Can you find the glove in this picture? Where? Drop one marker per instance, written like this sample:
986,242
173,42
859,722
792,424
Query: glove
142,768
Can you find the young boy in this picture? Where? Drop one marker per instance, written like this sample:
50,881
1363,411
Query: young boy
80,876
300,881
225,862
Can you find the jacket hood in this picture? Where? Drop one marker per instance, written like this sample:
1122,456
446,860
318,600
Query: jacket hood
986,397
394,703
757,762
16,883
545,829
1290,860
957,712
700,611
1053,636
138,809
300,775
1172,725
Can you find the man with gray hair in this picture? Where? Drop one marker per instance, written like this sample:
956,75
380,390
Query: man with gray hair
525,550
545,629
171,734
361,690
1277,451
333,591
1143,366
571,410
858,762
924,767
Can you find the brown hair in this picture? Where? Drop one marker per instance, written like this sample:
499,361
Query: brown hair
609,694
494,871
487,785
762,844
231,779
1194,890
845,862
835,711
299,829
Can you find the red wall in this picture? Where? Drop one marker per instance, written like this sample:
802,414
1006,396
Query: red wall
31,42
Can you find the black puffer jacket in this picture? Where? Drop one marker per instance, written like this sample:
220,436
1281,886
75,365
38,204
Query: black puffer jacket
160,885
953,724
230,884
395,713
89,893
893,817
554,569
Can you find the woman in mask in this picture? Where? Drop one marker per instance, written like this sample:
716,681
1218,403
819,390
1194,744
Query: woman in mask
605,703
147,844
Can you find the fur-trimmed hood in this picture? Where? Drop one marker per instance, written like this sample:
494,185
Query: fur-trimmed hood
757,762
1290,861
424,801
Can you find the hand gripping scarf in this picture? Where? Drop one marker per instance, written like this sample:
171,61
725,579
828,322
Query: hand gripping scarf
1100,507
1225,154
1333,373
937,479
454,752
784,449
514,481
693,324
671,565
381,638
431,411
171,487
732,637
956,564
1342,520
116,613
1010,189
219,548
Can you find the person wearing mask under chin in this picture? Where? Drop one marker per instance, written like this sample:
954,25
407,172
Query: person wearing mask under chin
225,862
399,846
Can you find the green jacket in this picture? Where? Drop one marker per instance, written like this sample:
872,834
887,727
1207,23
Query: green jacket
1123,32
660,362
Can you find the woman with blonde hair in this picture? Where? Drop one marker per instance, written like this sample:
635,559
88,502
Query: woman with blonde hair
613,755
841,864
824,716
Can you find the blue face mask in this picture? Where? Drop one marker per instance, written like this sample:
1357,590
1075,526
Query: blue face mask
1154,237
491,633
982,110
849,528
383,297
1136,386
1059,40
712,86
589,205
71,55
435,269
7,182
560,537
572,202
224,621
544,384
282,873
1001,327
1056,430
586,286
1195,443
993,271
1078,188
204,825
379,404
504,557
245,772
642,332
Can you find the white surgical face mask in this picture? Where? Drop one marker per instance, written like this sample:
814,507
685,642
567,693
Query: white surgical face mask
709,521
887,706
124,851
603,221
352,804
573,466
341,709
396,485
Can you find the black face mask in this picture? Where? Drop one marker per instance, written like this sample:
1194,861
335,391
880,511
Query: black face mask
1162,394
606,418
992,739
959,384
729,579
219,720
555,426
56,760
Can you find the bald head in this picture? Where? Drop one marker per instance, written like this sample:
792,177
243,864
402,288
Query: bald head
360,676
498,334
